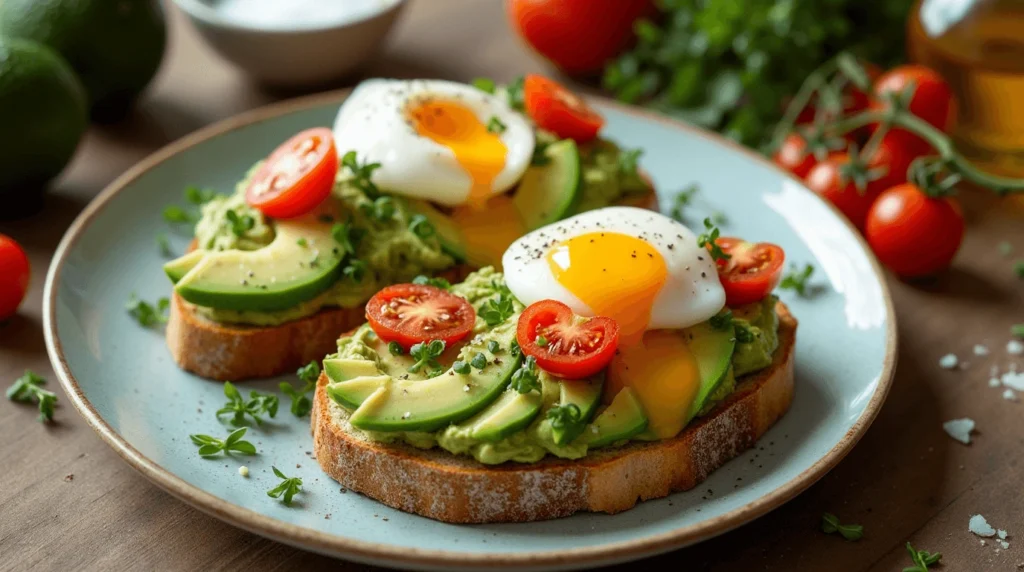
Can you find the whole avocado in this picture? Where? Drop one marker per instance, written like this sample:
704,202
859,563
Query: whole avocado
43,114
115,46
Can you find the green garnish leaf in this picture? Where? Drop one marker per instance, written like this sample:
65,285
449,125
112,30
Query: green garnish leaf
830,524
629,162
719,218
257,405
420,226
796,280
146,314
484,84
514,349
240,224
709,240
683,200
164,245
721,320
479,361
1017,330
288,488
540,154
28,388
381,209
514,92
362,174
493,346
308,374
922,559
461,367
1018,268
435,282
564,416
355,269
496,125
301,241
743,333
496,311
395,349
177,215
199,197
347,236
526,378
211,446
426,354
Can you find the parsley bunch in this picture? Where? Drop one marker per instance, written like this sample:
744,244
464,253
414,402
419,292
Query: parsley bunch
526,378
289,487
146,314
257,405
301,404
29,387
211,446
426,354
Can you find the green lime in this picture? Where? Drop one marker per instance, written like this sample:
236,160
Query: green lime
43,114
115,46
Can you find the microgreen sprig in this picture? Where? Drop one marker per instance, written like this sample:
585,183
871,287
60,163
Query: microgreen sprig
240,224
435,282
830,524
922,559
420,226
288,488
211,446
496,310
479,361
257,405
362,174
683,200
709,240
496,125
629,162
308,374
146,314
722,320
29,387
346,236
355,269
484,84
426,354
796,279
564,416
526,378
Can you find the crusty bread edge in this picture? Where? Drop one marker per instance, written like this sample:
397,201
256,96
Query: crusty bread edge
449,488
238,352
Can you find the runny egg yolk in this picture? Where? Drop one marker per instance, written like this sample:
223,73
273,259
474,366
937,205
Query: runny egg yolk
479,150
618,276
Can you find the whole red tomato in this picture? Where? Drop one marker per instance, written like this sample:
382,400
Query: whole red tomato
14,276
578,36
912,233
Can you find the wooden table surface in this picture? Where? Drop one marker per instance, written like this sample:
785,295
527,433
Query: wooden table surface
68,502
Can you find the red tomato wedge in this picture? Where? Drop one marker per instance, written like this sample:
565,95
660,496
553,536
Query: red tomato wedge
14,276
414,313
297,176
556,109
752,272
565,344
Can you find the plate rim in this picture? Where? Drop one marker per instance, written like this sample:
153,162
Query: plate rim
375,552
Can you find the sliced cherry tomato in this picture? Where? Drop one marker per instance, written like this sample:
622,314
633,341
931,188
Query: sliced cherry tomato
912,233
752,270
569,346
556,109
297,176
794,156
414,313
14,276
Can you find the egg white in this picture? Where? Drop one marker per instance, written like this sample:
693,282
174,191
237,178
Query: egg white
691,294
373,123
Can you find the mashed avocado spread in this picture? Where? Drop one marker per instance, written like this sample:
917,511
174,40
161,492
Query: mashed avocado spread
536,440
388,250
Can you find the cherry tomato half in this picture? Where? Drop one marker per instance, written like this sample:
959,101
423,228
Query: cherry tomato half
569,346
14,276
413,313
912,233
556,109
297,176
752,271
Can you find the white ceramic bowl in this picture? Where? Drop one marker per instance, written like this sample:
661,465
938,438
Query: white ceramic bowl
295,54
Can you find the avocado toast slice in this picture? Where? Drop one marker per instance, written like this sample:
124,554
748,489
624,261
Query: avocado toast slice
451,488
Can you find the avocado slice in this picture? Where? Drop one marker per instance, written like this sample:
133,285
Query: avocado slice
180,266
712,348
342,369
546,193
623,419
430,404
352,393
508,414
583,393
448,233
302,261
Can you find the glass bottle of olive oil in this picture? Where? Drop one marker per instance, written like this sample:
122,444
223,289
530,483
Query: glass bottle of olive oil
978,46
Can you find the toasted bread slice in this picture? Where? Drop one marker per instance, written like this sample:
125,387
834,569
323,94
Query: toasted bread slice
439,485
237,352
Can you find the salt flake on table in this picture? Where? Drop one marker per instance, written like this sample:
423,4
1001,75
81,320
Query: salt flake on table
949,361
1014,380
959,429
980,527
1001,534
1004,544
980,350
1009,395
994,382
1014,347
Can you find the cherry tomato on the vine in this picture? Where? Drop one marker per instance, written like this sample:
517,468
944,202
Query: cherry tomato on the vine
912,233
932,100
794,156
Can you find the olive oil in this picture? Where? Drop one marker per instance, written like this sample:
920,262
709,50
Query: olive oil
978,46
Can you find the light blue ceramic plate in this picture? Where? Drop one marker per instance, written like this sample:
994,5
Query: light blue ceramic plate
122,380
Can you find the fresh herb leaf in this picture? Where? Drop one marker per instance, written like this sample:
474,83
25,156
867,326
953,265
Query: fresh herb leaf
395,349
719,218
362,174
479,361
496,125
288,488
426,354
743,333
526,378
146,314
721,320
177,215
514,92
355,269
29,387
240,224
496,311
922,559
257,405
484,84
1018,268
830,524
514,349
301,241
460,367
540,154
564,416
435,282
382,209
1017,330
796,280
199,197
308,374
164,245
629,160
211,446
420,226
683,200
347,236
493,346
709,240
